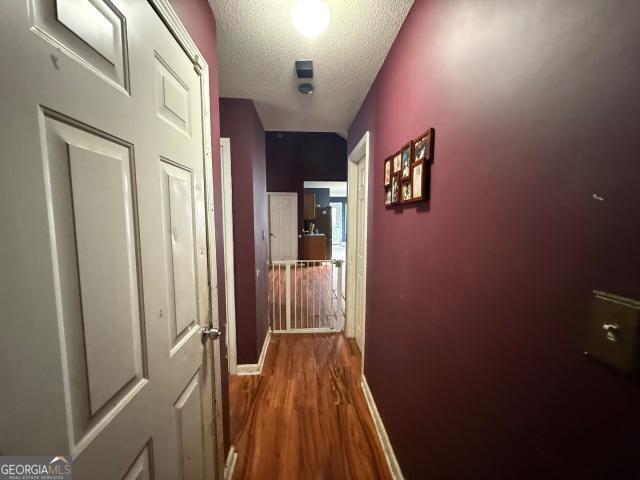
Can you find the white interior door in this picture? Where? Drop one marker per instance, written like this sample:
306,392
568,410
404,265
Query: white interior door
360,254
283,226
104,242
356,271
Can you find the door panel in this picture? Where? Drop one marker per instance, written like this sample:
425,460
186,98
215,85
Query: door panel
106,257
188,409
140,470
107,251
92,32
91,24
180,257
173,97
97,289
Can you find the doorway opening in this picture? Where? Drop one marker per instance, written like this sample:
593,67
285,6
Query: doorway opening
325,207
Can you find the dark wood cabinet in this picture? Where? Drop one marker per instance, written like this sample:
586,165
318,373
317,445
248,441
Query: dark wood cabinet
309,207
314,247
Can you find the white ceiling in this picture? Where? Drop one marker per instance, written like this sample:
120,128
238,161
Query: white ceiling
258,45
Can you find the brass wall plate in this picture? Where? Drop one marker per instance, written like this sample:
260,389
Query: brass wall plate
613,337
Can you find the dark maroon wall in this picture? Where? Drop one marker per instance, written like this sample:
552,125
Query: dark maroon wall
197,17
296,157
240,123
477,305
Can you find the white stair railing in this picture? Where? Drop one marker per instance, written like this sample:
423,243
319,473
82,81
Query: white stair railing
306,296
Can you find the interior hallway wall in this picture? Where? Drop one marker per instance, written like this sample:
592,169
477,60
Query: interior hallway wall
474,349
239,121
198,19
293,157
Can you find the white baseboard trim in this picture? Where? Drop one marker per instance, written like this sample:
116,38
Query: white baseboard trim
390,456
256,368
230,464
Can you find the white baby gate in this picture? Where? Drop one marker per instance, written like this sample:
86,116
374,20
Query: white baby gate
306,296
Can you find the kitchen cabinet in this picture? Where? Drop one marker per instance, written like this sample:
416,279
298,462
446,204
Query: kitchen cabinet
309,206
314,247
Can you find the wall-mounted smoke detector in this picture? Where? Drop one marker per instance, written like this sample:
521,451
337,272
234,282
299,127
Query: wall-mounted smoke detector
304,68
305,88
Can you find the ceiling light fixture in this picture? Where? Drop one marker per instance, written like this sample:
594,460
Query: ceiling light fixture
310,17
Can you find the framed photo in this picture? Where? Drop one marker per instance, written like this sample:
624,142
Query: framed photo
395,188
417,180
406,161
387,172
387,196
397,164
423,146
406,191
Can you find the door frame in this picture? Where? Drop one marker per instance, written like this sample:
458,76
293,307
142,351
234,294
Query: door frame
173,23
229,264
295,231
361,152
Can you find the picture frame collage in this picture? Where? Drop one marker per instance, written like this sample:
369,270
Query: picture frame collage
405,172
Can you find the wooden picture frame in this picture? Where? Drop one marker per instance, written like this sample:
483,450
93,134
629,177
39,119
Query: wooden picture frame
395,189
406,154
387,196
418,183
396,165
406,195
423,146
387,172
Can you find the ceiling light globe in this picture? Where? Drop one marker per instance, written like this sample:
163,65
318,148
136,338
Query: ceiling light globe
310,17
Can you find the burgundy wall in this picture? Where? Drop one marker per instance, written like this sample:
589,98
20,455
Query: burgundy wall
239,121
477,305
293,157
197,17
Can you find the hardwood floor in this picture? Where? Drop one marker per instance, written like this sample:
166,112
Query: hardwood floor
306,416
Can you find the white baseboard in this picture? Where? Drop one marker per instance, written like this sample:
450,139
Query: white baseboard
256,368
230,464
390,456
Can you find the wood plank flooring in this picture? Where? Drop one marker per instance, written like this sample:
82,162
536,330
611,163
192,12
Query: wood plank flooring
306,416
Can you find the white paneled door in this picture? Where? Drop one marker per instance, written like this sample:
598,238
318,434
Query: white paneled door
357,202
104,248
360,252
283,226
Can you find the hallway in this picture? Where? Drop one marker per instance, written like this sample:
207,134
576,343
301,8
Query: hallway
305,416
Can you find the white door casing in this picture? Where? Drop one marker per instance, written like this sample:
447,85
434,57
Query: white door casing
227,214
357,204
104,262
283,225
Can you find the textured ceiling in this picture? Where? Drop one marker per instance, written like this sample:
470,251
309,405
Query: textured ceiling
258,45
